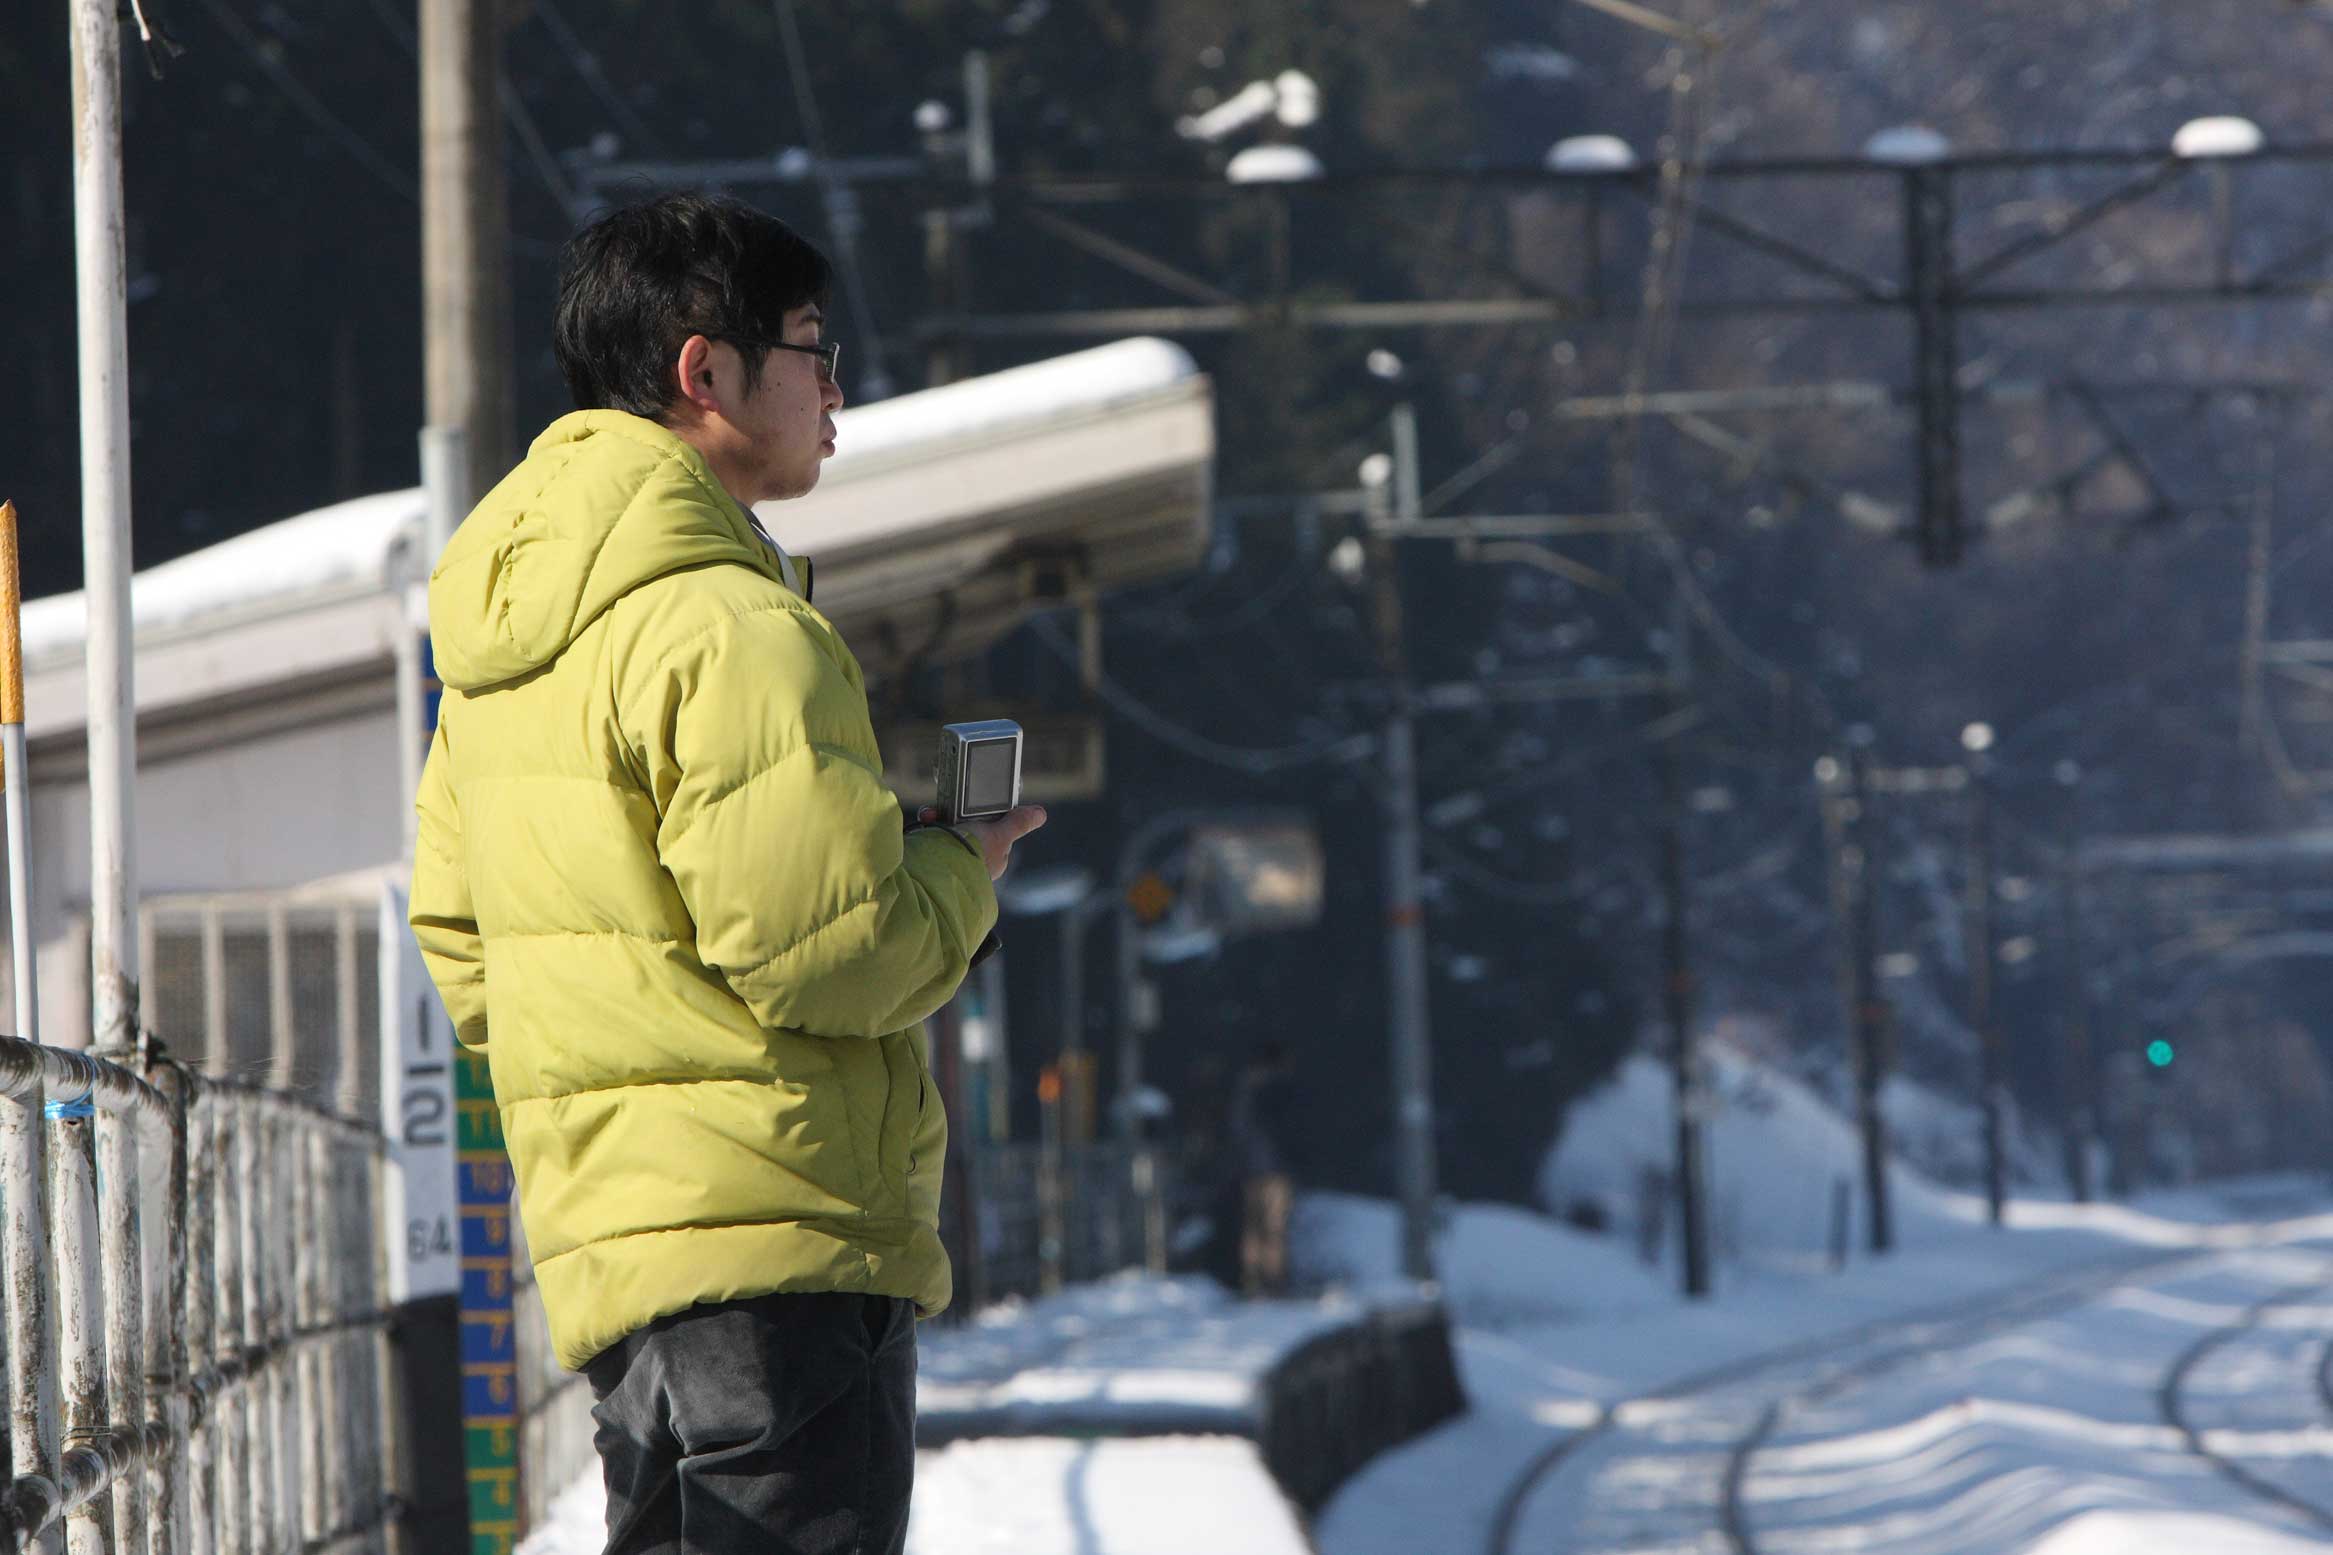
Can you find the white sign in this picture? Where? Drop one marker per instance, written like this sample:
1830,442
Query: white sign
417,1113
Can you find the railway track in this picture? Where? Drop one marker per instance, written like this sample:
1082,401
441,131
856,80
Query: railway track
1755,1396
2179,1412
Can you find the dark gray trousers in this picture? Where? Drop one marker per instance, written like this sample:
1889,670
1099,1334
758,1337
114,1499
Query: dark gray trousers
783,1425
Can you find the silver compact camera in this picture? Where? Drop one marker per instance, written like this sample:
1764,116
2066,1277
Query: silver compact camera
980,770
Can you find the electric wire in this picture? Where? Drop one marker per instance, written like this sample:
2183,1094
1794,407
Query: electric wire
586,65
875,378
514,108
1250,759
530,135
358,148
1491,883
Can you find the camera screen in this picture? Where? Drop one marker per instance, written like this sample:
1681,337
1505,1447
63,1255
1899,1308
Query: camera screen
988,776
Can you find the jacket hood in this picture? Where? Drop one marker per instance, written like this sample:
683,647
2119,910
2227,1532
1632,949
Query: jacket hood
603,502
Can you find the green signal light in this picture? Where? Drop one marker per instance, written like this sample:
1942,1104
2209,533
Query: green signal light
2159,1053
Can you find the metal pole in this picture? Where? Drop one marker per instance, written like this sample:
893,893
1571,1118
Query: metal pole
320,1425
1870,1011
199,1327
35,1430
105,522
230,1412
259,1448
78,1293
293,1439
18,780
168,1403
1405,919
120,1251
1980,988
283,1068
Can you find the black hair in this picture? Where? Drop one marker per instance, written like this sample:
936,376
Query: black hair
641,279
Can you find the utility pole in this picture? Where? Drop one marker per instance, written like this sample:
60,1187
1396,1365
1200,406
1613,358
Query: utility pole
1861,868
465,239
466,445
1405,919
2081,1078
1692,1219
1980,969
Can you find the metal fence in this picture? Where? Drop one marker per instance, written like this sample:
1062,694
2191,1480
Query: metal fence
197,1351
281,986
1048,1215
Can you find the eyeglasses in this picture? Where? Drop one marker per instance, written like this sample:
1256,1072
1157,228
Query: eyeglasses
829,353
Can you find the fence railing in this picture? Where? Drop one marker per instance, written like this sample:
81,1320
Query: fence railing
197,1350
1047,1215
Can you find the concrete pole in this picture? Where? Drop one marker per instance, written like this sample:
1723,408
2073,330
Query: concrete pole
1991,1082
2081,1069
1871,1011
105,523
1405,916
1677,965
466,445
465,239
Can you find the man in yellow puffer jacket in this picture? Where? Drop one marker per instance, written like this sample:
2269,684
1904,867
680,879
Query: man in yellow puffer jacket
661,883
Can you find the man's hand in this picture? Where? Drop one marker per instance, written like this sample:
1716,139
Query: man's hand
996,838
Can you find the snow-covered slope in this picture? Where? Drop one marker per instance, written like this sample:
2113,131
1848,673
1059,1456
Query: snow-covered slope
1775,1154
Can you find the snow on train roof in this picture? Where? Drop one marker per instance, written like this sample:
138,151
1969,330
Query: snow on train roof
351,547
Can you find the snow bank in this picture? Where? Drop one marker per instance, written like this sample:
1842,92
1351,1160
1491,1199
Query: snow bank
1775,1151
1943,1138
1499,1265
1047,1496
1127,1351
1154,1496
2169,1533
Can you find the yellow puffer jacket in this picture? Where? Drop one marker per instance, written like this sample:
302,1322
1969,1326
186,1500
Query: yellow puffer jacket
661,883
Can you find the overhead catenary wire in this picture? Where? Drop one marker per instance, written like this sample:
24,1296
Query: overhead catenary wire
530,135
1692,104
587,67
522,122
1249,759
841,220
358,148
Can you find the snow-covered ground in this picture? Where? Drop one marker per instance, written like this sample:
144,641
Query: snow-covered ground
1051,1376
2154,1378
1159,1495
1981,1391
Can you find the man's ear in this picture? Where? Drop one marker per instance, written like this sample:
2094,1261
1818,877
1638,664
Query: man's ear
692,373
